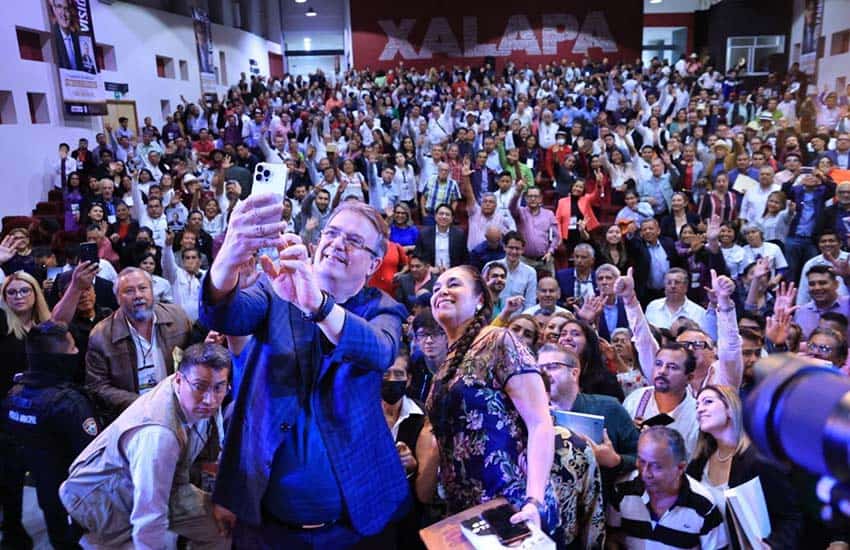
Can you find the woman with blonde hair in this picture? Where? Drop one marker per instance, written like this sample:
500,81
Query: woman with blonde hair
724,458
23,306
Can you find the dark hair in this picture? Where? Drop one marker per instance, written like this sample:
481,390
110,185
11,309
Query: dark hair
758,318
425,319
205,354
513,236
672,437
418,255
47,337
822,270
458,350
752,336
593,372
829,231
835,317
41,251
444,205
690,360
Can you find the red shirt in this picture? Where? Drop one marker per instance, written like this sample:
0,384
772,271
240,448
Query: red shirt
393,261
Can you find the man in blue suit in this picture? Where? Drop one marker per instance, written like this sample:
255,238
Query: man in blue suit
609,313
578,281
308,461
65,35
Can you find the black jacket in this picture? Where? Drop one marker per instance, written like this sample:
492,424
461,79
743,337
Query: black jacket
639,253
783,507
426,245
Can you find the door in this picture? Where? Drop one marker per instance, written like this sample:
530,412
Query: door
118,109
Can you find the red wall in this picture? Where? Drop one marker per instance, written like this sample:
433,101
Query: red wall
443,32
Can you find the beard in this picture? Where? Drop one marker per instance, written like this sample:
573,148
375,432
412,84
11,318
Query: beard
141,312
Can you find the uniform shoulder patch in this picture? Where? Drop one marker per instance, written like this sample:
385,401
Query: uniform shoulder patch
90,426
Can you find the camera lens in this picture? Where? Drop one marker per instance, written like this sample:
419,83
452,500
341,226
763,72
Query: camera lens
259,177
266,173
801,413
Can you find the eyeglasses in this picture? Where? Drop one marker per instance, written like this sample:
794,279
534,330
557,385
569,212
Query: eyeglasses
201,389
425,334
823,348
696,345
555,365
21,292
351,241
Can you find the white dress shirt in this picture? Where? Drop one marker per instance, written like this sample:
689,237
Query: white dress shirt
658,314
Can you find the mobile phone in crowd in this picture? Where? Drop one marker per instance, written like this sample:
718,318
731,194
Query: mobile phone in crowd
499,519
88,253
269,178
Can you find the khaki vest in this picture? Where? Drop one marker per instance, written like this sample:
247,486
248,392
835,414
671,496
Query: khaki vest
98,493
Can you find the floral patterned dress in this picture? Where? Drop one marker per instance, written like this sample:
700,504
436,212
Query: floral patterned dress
483,440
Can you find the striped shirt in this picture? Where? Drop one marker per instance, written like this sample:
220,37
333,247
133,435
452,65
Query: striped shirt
437,193
694,521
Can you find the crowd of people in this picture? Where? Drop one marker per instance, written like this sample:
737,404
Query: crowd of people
460,253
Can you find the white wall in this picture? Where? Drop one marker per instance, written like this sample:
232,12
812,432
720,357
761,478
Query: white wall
836,18
138,34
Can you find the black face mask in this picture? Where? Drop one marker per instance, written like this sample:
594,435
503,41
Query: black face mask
392,390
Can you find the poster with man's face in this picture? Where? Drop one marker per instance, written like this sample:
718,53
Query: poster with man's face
74,45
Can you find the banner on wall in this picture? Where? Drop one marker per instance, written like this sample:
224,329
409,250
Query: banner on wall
203,43
425,34
73,36
812,27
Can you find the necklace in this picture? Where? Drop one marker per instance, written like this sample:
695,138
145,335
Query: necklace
724,459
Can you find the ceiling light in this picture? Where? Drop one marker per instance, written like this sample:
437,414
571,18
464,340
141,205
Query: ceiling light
655,1
300,1
311,13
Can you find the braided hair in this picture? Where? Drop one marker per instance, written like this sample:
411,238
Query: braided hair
458,350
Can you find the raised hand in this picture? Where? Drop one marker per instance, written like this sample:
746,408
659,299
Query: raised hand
514,304
591,308
466,169
776,325
226,163
83,275
841,267
762,269
785,297
254,224
624,286
712,232
7,247
722,286
294,280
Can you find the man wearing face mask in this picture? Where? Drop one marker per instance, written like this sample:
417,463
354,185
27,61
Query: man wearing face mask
416,445
53,419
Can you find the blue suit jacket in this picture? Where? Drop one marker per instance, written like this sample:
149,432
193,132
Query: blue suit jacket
567,281
622,321
346,404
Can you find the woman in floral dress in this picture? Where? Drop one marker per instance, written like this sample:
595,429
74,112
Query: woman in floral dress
489,409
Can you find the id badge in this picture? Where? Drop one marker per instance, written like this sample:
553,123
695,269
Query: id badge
209,473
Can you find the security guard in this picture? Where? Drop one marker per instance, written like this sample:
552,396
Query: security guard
53,420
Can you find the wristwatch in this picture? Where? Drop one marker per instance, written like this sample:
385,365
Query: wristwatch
324,310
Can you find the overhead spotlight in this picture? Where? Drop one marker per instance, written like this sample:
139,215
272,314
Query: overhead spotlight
650,1
311,13
300,1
